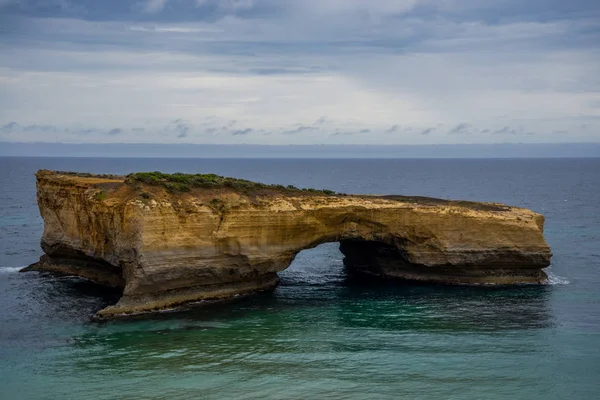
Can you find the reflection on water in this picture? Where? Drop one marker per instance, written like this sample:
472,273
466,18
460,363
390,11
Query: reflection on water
397,306
316,314
318,333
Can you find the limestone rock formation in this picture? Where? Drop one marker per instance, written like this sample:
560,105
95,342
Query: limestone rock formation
166,244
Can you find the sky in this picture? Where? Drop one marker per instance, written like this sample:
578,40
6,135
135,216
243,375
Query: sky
378,72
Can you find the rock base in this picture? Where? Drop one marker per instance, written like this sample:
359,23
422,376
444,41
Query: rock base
141,304
94,270
384,261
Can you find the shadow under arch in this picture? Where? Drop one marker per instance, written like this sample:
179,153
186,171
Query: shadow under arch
322,274
317,293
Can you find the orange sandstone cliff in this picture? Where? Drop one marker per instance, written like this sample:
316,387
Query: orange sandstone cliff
166,248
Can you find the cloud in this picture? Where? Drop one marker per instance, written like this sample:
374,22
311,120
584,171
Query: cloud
242,132
154,6
301,128
505,131
427,131
180,127
227,5
40,128
9,128
339,132
321,121
361,9
86,131
173,29
229,125
392,129
462,129
382,65
115,131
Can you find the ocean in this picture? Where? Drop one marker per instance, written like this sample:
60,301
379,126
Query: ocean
320,334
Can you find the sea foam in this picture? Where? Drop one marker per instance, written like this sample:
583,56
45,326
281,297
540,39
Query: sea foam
10,270
555,279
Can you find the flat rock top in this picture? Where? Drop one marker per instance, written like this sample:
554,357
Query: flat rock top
222,191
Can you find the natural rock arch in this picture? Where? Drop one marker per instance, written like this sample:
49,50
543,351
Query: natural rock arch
167,249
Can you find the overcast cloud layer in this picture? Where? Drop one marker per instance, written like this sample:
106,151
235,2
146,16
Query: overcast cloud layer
300,71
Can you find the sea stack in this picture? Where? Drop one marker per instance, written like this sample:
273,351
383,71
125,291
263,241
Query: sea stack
168,240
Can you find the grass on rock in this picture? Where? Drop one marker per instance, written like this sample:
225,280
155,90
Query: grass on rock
180,183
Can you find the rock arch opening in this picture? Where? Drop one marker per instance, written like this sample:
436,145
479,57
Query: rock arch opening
320,264
357,256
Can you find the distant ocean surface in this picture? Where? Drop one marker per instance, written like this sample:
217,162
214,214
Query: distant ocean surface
319,334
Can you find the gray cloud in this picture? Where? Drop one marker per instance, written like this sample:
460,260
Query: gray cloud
505,131
322,120
115,131
41,128
229,125
87,131
461,129
180,127
138,130
392,129
35,128
301,128
153,6
10,127
203,57
339,132
242,132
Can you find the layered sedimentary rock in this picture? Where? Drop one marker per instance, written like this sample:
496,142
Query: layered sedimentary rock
165,249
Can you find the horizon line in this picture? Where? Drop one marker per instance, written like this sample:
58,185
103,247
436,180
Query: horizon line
307,144
304,151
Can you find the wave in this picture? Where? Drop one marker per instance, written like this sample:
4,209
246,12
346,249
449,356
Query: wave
10,270
555,279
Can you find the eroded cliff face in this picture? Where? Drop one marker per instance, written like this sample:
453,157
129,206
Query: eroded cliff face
168,249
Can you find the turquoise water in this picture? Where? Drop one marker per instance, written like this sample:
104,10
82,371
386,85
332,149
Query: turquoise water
321,333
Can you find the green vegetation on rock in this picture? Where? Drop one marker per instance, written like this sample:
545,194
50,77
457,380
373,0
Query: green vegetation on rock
100,195
180,182
88,175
